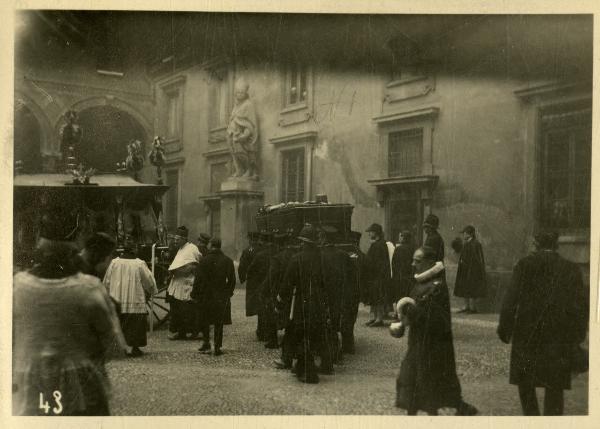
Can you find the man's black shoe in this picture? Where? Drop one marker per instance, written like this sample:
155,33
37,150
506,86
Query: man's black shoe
466,409
218,352
205,347
311,379
271,345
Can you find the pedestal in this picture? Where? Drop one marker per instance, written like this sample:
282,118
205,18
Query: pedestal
240,201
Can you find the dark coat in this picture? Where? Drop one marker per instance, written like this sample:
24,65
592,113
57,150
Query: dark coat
471,281
305,291
378,274
213,287
245,261
277,273
337,281
427,379
402,270
436,242
255,276
545,312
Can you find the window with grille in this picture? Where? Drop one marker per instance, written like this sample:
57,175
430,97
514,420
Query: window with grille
566,169
219,99
405,152
172,200
296,85
292,175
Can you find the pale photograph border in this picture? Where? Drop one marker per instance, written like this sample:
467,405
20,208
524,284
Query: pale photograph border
7,8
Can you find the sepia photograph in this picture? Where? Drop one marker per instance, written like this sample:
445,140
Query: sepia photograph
289,214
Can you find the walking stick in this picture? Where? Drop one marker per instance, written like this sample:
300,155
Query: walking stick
152,295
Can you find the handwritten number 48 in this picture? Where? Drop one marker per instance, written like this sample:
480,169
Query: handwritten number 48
46,407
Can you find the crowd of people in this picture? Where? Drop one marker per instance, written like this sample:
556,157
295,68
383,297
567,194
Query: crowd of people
90,305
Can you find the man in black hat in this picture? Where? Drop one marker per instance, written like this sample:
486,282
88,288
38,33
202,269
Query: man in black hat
255,277
336,277
545,316
434,240
213,288
471,282
379,275
308,311
279,264
203,240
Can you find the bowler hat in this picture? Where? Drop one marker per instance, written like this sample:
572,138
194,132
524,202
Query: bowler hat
432,221
308,234
204,237
182,231
376,228
546,240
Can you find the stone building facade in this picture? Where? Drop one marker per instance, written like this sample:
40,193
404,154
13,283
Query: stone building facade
489,128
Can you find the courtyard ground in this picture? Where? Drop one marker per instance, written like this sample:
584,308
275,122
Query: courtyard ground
173,378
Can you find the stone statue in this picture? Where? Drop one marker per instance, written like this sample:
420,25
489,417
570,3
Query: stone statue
242,133
70,145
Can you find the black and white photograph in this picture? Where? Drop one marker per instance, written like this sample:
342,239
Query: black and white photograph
234,213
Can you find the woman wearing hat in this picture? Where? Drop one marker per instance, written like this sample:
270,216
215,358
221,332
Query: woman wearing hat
64,325
379,275
471,280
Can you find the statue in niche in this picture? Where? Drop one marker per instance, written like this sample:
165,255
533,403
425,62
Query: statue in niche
242,134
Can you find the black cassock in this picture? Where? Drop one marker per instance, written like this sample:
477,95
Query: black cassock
427,379
379,290
305,290
545,311
471,280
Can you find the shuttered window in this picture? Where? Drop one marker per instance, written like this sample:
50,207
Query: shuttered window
292,175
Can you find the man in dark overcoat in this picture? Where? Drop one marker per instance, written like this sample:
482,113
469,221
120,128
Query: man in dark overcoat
336,272
545,315
427,380
247,256
351,294
269,289
278,268
402,270
379,275
213,288
305,290
255,277
433,238
471,282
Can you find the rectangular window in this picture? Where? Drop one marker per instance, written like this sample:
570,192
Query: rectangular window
173,115
296,85
566,169
172,200
219,99
405,152
218,174
292,175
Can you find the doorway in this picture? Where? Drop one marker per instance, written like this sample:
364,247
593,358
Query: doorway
404,212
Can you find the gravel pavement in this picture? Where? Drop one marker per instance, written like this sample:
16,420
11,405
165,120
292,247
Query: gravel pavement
173,378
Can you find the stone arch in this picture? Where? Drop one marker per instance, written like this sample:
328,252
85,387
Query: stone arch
107,125
48,138
114,102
